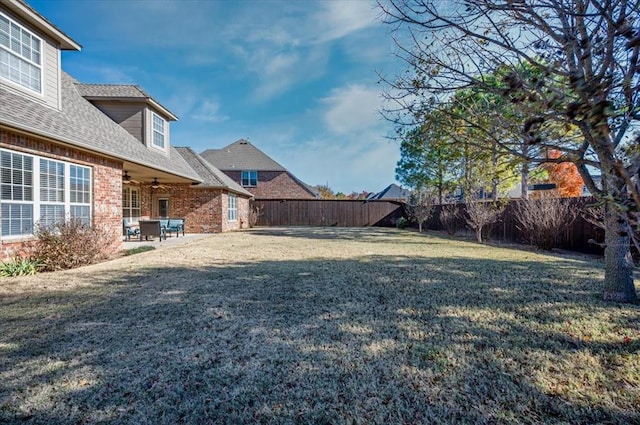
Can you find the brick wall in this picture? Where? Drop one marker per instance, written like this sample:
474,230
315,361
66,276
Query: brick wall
242,221
205,210
107,185
274,185
201,208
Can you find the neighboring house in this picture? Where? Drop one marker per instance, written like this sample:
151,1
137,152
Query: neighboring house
257,172
217,203
96,153
393,192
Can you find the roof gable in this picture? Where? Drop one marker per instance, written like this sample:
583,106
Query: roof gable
82,125
241,155
393,191
122,92
36,20
210,176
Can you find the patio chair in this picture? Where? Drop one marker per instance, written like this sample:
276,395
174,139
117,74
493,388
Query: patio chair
171,225
176,225
152,228
129,231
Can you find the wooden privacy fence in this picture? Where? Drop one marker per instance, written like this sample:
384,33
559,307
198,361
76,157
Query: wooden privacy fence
348,213
325,212
574,237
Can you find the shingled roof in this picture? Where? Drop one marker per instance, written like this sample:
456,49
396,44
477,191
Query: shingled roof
393,192
79,123
122,92
210,175
241,155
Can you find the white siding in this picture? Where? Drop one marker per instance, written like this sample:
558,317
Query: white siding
128,115
50,69
51,74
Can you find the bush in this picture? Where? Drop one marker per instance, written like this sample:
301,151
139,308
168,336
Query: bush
421,207
449,219
402,222
18,266
69,244
254,215
480,214
542,220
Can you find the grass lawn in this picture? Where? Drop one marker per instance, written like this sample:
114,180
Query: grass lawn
335,326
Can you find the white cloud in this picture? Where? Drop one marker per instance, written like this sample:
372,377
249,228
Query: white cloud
339,19
349,164
209,110
102,73
276,73
352,109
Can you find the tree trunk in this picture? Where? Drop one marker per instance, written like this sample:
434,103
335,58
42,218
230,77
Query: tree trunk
479,234
420,226
524,180
618,274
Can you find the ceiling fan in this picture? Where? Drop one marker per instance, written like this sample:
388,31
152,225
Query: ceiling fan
126,178
155,184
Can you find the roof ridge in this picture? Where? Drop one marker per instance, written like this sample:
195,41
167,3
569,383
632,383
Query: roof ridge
136,86
226,181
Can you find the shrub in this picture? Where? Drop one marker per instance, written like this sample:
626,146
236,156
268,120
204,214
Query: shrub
69,244
449,219
402,222
18,266
542,220
481,214
422,205
254,215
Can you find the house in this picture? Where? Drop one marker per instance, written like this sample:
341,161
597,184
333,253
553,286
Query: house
93,152
257,172
393,192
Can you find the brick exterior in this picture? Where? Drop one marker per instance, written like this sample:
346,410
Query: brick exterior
273,185
106,179
205,210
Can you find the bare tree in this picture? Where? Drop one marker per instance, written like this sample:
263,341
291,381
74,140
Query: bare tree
422,204
255,213
569,64
480,214
449,218
541,221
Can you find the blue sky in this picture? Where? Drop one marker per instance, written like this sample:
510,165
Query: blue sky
299,79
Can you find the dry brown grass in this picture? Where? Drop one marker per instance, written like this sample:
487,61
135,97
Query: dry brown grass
319,326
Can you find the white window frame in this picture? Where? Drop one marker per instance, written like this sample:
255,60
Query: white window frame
156,121
51,190
247,177
232,210
25,65
38,191
131,208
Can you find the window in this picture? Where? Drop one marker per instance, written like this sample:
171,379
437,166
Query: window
80,193
20,55
16,187
51,192
131,204
233,208
35,189
158,131
249,178
163,207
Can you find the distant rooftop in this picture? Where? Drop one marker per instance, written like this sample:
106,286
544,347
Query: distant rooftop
241,155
